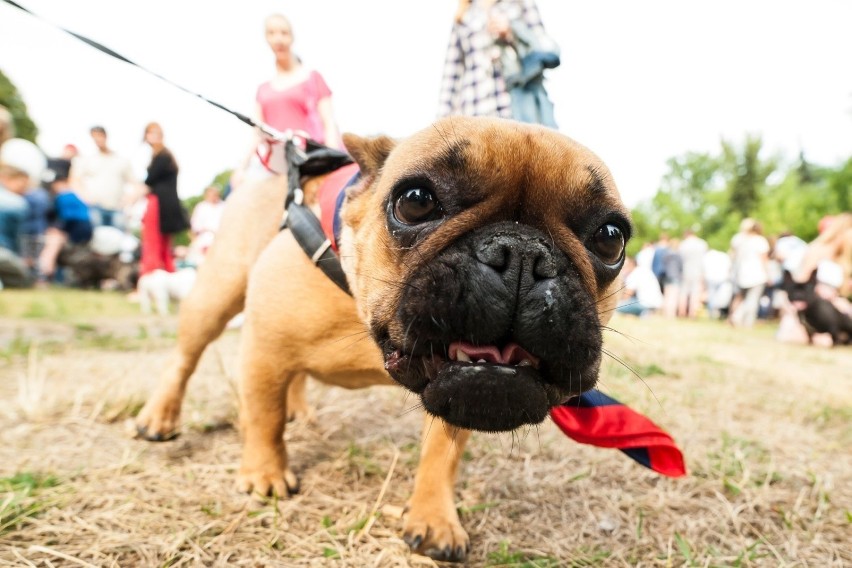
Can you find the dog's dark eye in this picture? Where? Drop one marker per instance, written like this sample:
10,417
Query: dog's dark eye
415,206
608,243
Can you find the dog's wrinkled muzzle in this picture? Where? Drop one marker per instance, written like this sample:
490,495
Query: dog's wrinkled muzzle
496,330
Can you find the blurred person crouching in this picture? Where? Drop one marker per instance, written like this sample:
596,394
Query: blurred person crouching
70,221
21,167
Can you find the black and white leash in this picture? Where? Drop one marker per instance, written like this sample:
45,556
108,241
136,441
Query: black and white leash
264,128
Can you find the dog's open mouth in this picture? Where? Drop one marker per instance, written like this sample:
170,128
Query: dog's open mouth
479,387
512,354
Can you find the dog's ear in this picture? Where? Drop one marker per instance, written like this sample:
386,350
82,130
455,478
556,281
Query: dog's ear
370,153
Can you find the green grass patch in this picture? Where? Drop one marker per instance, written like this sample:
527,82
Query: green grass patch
358,525
685,549
330,553
23,497
626,368
650,370
739,463
109,341
64,304
504,557
831,417
478,507
361,461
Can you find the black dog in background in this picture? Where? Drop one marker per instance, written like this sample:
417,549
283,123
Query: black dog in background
817,314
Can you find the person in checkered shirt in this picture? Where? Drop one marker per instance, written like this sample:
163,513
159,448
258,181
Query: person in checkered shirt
473,82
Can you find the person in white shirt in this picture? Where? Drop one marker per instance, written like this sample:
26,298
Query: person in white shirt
206,217
101,180
717,278
750,257
692,249
645,257
642,294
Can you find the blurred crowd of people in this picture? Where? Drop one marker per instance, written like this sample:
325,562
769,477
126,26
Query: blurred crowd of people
684,277
86,220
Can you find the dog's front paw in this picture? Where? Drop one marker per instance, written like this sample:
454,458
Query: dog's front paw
266,481
159,418
437,535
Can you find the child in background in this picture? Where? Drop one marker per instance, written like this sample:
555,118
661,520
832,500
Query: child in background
70,220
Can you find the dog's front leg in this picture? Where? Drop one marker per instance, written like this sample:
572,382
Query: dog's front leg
432,526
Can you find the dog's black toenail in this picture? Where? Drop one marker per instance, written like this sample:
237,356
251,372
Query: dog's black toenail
142,432
459,553
414,542
438,553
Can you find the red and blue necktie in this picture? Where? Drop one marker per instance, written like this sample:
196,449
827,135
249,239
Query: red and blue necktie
599,420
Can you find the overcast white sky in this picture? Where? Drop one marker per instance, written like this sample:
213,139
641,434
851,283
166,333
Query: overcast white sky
641,81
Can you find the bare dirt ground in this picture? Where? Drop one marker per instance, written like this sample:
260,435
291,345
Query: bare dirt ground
765,428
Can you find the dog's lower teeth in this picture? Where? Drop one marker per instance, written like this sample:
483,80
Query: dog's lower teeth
525,363
482,361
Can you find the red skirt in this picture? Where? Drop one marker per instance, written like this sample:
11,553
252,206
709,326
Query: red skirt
156,246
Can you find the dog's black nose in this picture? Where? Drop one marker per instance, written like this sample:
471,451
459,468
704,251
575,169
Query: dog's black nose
517,257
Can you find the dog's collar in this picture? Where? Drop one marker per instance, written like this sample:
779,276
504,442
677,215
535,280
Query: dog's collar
318,238
599,420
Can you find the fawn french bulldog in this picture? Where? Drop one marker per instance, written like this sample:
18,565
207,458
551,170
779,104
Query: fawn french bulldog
483,259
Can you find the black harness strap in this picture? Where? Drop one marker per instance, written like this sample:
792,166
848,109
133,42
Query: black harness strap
303,224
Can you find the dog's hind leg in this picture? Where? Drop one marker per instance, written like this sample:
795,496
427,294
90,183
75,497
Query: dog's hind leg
432,526
297,402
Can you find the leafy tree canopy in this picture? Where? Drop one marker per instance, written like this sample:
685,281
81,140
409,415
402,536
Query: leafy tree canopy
11,99
712,192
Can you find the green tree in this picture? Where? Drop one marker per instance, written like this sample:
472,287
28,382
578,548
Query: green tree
713,192
746,173
793,205
840,186
11,99
689,197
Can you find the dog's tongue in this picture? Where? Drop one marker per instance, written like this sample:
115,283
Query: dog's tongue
512,354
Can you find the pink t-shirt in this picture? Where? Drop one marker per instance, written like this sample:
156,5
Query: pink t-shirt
295,107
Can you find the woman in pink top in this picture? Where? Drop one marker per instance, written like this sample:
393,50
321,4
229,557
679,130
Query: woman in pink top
296,98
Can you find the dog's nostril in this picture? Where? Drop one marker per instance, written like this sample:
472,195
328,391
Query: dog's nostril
494,254
544,266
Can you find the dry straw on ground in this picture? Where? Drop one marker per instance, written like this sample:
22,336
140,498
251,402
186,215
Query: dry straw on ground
765,429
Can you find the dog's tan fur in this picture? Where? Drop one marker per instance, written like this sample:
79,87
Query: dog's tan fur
299,323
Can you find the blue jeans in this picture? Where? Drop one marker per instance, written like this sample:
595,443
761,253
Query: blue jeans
108,217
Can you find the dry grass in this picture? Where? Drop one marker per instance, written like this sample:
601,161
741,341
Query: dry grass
765,429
